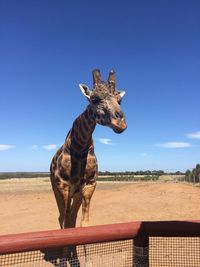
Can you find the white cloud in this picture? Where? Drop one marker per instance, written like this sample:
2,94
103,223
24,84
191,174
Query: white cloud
34,147
105,141
5,147
194,135
174,145
50,146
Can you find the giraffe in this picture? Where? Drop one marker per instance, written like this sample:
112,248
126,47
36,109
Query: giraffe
74,168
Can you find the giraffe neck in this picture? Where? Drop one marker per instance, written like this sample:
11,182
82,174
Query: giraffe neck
81,132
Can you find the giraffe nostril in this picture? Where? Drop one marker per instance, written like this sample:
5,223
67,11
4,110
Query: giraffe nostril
119,115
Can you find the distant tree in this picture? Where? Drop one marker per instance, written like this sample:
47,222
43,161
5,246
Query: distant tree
160,172
187,175
197,176
193,175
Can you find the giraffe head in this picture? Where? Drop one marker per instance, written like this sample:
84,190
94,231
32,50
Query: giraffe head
105,102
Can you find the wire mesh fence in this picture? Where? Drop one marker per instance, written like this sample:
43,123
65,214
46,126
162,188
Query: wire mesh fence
109,254
163,252
174,251
139,244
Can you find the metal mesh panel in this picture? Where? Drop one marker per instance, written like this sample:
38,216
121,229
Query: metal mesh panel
174,252
110,254
163,252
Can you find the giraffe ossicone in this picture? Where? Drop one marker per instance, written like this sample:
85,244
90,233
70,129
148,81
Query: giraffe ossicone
74,166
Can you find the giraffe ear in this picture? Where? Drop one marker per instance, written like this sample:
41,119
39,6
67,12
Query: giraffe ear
85,90
121,93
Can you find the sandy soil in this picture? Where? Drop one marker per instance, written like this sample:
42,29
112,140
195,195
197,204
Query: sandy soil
29,205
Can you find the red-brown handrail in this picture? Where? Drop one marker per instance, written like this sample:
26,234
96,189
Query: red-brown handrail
95,234
72,236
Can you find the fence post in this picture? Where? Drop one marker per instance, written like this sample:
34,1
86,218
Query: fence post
141,251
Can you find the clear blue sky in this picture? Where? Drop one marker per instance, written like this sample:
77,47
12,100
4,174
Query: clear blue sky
48,47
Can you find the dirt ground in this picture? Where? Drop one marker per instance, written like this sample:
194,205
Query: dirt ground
29,205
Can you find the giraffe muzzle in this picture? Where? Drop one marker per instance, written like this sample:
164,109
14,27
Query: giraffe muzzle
118,125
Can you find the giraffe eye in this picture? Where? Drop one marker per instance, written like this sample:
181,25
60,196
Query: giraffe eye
95,100
120,101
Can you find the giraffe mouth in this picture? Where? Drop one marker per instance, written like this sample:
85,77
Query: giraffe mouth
117,130
118,126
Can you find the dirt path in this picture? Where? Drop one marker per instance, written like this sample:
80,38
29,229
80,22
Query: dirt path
29,205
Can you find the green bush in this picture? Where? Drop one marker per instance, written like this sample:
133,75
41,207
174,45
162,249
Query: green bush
128,178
